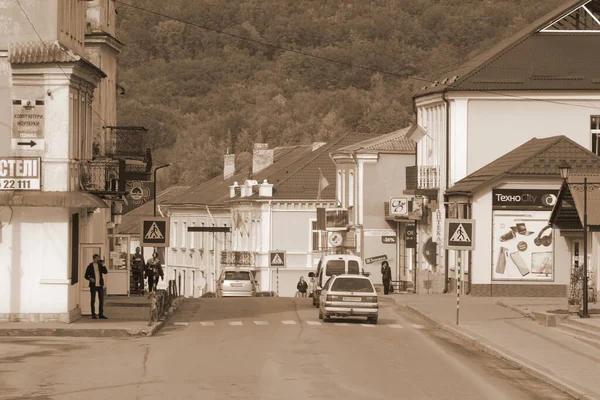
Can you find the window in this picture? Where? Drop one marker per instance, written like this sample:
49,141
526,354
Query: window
184,235
319,238
335,267
353,267
350,188
193,237
352,285
237,276
595,128
174,235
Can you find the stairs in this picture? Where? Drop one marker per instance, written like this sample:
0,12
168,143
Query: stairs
127,308
586,330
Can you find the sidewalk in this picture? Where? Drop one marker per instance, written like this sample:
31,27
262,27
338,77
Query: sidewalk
547,353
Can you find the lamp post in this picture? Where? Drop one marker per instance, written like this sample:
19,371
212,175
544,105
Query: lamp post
156,169
565,169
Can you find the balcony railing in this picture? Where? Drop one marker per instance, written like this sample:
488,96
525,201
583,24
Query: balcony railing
102,176
129,142
238,258
423,177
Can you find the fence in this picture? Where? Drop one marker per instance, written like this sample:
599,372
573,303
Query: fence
161,301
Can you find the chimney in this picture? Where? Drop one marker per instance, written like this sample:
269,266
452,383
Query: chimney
262,157
265,189
317,145
229,166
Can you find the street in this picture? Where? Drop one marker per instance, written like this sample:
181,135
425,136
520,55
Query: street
264,348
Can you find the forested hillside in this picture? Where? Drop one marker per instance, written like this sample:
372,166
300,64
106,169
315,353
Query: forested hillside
200,92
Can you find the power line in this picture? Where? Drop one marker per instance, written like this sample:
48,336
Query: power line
52,55
270,45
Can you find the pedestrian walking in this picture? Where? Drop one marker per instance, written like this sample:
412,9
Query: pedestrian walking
312,284
137,269
386,276
302,287
94,274
154,271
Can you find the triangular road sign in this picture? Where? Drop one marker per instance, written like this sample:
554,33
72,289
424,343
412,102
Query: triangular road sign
460,235
276,259
154,232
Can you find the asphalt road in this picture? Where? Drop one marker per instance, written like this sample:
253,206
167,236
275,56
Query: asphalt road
263,349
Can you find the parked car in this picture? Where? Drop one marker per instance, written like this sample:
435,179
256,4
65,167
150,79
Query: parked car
335,264
236,282
349,296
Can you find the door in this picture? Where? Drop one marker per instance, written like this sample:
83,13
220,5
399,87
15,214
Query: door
86,255
118,265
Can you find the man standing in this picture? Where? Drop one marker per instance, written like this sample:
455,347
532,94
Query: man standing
386,275
94,273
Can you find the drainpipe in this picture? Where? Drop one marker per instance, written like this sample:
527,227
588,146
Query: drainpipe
446,184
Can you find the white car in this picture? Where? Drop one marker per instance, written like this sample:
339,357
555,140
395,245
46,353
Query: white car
236,282
349,296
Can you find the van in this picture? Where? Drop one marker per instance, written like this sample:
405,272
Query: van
335,264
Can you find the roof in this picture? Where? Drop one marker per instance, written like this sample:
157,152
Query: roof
531,60
397,142
216,190
130,222
536,157
299,180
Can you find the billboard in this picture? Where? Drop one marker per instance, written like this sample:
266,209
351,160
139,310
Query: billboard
523,246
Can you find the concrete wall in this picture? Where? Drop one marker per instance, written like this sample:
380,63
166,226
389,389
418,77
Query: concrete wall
292,232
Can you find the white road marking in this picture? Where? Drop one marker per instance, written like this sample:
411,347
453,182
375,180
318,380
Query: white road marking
180,323
205,323
261,323
396,326
313,322
342,323
418,326
236,323
288,322
367,325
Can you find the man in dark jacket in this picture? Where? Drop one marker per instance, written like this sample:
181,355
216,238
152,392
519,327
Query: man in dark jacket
386,276
94,273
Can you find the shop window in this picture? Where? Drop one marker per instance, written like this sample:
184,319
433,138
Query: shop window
595,129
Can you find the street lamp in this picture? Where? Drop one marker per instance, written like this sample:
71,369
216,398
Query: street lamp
565,169
156,169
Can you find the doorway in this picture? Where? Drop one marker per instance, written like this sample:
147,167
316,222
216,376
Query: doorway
118,265
86,254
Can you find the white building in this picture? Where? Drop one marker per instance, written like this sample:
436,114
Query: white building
541,82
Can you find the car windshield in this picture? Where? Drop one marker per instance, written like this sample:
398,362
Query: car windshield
237,276
352,285
353,267
335,267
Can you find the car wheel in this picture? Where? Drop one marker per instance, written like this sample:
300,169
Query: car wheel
326,318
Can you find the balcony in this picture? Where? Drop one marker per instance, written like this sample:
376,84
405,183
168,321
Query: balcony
423,178
103,177
238,258
128,143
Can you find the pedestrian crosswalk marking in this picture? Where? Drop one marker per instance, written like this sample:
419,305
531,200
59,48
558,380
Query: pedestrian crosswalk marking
261,323
367,325
313,322
288,322
418,326
460,235
341,323
396,326
236,323
207,323
181,323
154,232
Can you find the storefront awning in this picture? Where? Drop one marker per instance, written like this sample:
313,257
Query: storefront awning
51,199
568,213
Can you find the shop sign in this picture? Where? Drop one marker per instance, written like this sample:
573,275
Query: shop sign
20,173
28,125
375,259
524,199
430,252
438,226
411,236
336,219
388,239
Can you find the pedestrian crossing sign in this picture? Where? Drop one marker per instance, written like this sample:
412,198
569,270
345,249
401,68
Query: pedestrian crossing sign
155,232
277,259
460,234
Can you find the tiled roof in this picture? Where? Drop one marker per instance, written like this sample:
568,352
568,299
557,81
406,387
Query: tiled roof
395,142
536,157
130,222
216,190
529,60
593,197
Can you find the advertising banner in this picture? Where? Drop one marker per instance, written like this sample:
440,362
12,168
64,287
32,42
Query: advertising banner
138,193
522,246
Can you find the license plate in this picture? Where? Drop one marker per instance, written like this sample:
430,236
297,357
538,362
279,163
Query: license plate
237,284
351,298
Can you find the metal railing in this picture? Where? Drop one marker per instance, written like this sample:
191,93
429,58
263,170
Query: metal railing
238,258
102,176
423,177
129,142
161,301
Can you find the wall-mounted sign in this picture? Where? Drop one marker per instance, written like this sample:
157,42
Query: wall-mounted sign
375,259
523,199
411,236
430,252
20,173
336,219
138,193
437,226
28,125
399,206
388,239
335,239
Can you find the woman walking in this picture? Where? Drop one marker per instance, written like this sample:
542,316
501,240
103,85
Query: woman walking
153,272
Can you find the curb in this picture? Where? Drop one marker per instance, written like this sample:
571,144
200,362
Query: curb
497,352
153,330
517,309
